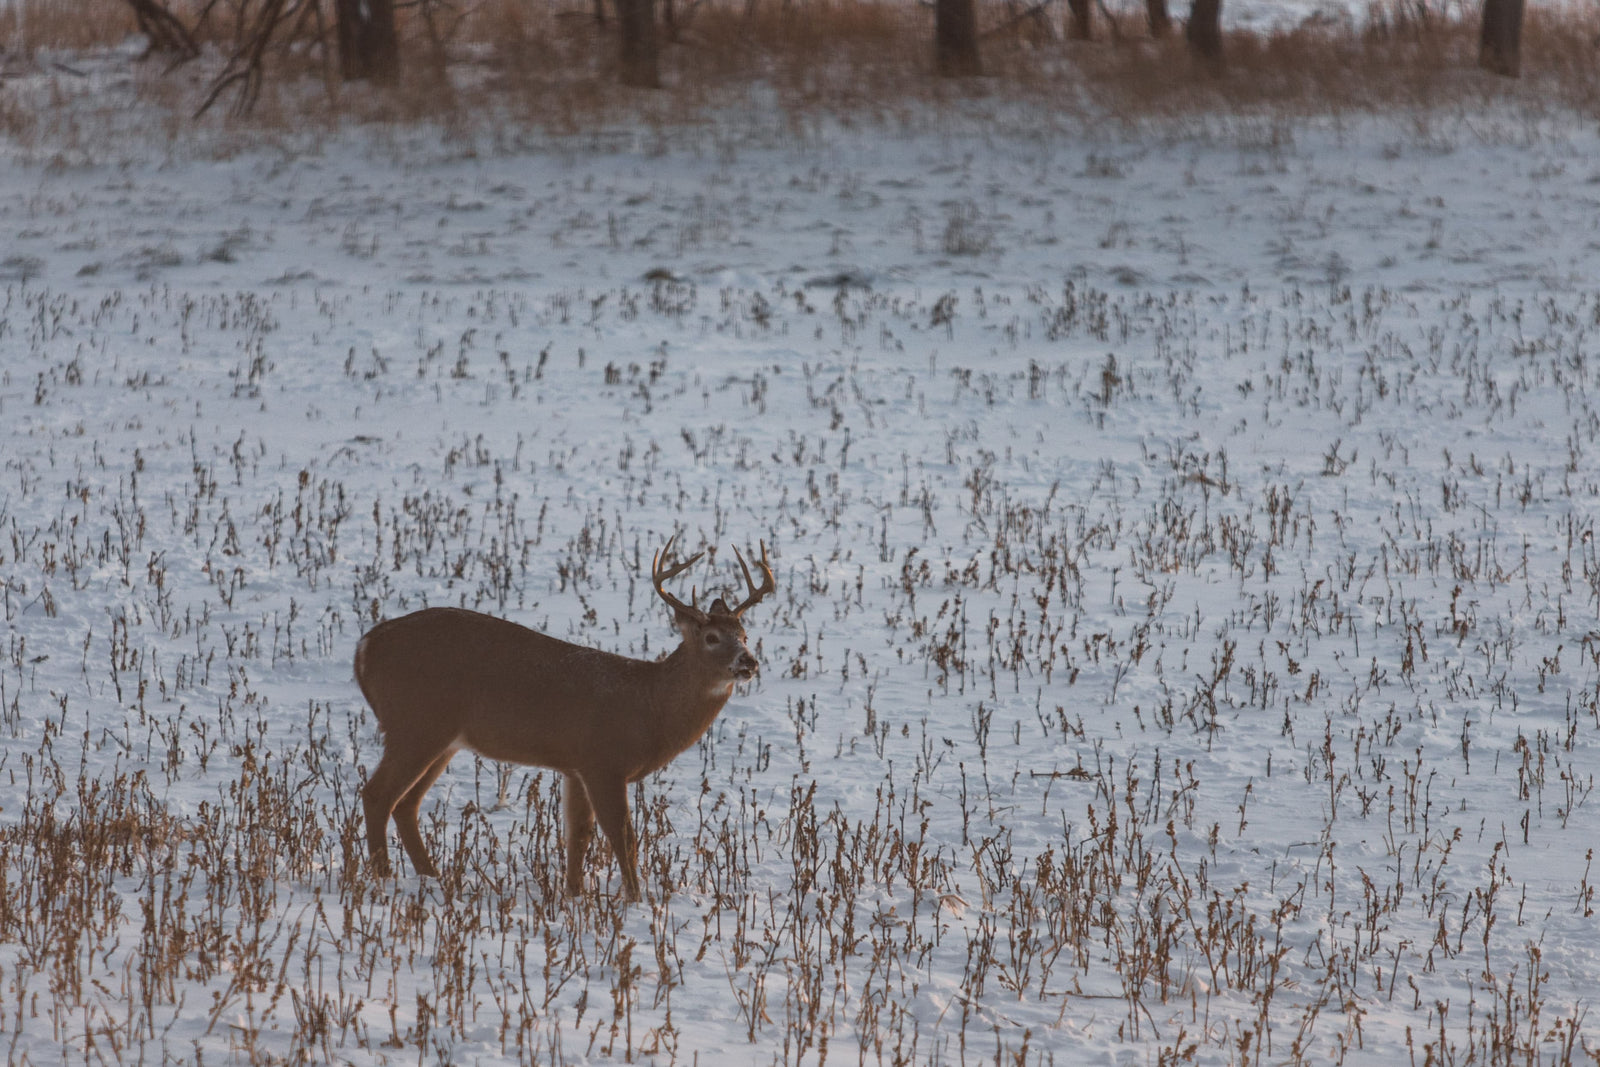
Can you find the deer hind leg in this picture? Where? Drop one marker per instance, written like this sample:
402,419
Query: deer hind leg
579,819
399,774
405,815
608,796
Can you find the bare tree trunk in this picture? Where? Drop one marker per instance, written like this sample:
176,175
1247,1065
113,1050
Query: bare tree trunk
636,21
955,39
1155,13
1500,43
438,54
368,48
1078,28
1205,29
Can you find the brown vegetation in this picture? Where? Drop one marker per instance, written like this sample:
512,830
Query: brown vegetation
557,67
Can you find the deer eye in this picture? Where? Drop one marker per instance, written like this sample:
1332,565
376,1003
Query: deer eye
712,640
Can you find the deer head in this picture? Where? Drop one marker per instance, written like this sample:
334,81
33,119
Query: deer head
714,638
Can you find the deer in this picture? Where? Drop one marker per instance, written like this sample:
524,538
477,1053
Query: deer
443,679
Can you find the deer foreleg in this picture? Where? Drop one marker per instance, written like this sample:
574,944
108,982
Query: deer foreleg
608,796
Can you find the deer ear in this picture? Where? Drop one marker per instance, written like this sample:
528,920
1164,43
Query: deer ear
718,607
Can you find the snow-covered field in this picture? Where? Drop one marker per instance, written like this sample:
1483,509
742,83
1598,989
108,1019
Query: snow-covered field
1186,644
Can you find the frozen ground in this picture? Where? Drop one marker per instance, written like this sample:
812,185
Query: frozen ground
1186,644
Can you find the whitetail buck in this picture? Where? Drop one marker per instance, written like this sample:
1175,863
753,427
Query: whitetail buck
444,679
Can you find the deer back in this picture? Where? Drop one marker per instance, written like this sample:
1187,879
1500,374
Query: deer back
451,676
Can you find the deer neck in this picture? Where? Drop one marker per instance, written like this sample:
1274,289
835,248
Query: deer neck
688,698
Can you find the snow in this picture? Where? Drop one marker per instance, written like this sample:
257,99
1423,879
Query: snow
1186,638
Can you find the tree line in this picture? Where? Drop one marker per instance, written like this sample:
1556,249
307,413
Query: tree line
368,45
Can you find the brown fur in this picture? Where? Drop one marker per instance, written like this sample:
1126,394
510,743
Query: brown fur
444,679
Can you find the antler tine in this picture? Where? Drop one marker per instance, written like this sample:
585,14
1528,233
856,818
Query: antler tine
664,556
662,570
757,593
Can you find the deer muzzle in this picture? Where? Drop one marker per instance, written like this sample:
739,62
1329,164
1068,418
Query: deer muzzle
745,667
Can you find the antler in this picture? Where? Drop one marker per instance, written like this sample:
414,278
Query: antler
756,593
661,571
